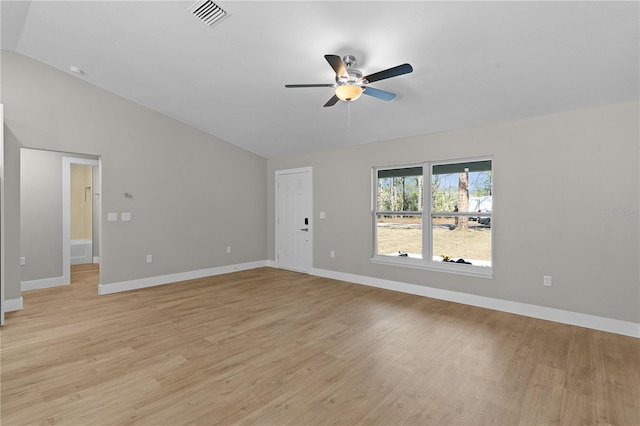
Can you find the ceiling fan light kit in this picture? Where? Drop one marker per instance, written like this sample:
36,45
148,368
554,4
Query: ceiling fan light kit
348,92
350,84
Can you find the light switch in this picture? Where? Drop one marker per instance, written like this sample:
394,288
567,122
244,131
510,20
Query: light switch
125,217
322,215
112,217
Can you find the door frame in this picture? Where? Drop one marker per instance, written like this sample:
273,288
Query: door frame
66,209
278,173
2,254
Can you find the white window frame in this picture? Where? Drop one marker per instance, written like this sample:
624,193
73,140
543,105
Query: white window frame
427,261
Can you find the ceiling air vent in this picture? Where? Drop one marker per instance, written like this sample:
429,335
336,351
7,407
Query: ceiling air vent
208,12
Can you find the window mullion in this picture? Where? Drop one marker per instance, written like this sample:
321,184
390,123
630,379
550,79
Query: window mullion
427,243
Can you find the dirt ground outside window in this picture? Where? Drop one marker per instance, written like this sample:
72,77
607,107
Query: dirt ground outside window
405,235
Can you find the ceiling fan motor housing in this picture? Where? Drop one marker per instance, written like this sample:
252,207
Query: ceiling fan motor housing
354,75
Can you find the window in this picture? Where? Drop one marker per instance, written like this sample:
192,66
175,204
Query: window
449,229
399,212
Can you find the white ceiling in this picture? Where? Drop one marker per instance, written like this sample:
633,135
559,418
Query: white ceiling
474,62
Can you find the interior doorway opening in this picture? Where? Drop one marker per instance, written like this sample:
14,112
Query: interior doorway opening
80,212
46,212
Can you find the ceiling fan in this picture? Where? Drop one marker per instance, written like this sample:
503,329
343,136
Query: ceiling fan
350,83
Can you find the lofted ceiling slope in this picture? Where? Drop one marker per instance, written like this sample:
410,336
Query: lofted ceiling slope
474,62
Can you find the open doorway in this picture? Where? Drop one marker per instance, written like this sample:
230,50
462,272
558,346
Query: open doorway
45,216
80,214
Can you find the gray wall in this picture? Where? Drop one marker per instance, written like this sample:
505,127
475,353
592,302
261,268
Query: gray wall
556,178
41,214
193,194
12,215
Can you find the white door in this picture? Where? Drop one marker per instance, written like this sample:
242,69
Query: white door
294,227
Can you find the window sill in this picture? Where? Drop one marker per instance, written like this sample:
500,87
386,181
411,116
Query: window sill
448,267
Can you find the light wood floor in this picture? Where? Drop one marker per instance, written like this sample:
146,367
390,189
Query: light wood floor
267,346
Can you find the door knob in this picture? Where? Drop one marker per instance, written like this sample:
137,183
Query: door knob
304,229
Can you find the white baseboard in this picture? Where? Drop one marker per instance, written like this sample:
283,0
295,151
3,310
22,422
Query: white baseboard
11,305
43,283
551,314
96,259
172,278
557,315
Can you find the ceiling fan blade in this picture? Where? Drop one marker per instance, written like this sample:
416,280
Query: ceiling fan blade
332,101
377,93
296,86
338,66
388,73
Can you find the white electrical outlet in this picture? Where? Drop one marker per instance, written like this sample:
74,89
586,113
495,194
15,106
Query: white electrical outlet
149,258
332,254
228,249
546,280
23,261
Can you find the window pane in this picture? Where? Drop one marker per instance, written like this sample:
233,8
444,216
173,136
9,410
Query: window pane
400,193
464,187
399,235
472,244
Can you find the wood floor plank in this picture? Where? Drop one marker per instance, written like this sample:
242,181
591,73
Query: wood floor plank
267,346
